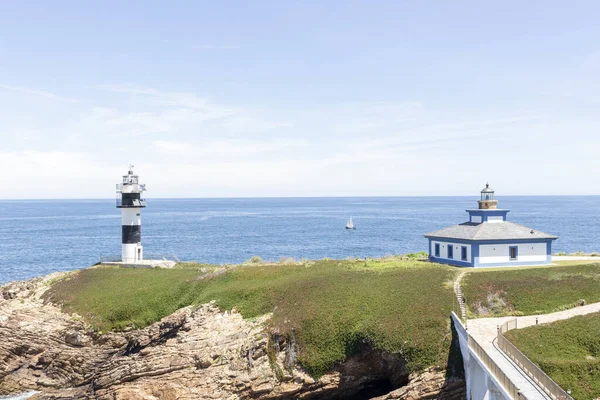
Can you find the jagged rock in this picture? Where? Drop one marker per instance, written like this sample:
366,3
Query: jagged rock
196,352
76,339
430,384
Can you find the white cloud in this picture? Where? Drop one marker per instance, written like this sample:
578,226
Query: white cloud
37,93
217,149
215,47
170,147
186,145
55,174
161,98
153,111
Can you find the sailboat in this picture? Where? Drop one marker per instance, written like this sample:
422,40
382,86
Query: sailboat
350,224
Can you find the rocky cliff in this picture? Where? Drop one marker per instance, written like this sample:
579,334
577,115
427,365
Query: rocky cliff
195,353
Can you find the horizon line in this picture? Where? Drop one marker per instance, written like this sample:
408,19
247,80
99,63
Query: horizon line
292,197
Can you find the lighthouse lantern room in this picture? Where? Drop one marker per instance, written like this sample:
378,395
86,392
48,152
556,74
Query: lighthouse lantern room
129,200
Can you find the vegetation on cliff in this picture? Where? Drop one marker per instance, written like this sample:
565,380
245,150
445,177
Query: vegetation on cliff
332,307
568,351
527,291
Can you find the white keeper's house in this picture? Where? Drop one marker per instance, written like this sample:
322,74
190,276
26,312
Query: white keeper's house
487,239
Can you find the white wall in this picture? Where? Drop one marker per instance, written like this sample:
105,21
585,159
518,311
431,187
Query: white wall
129,253
495,219
499,253
131,216
480,385
444,250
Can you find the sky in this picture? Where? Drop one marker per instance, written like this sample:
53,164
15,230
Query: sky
299,98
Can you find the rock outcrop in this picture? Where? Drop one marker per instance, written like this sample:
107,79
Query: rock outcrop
430,384
195,353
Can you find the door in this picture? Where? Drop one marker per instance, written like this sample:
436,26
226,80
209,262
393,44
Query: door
514,252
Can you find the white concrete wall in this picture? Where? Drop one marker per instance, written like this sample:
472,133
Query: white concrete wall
478,377
463,341
495,219
131,216
476,219
444,250
130,253
499,253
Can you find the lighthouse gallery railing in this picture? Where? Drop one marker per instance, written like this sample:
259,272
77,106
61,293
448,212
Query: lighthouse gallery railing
136,203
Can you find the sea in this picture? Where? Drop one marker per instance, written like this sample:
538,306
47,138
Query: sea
38,237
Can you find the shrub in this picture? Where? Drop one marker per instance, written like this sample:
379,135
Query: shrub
400,307
421,254
531,290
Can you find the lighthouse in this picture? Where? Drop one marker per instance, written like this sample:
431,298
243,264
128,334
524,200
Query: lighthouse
488,239
129,200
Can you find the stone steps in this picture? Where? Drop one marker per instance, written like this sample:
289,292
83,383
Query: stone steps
460,297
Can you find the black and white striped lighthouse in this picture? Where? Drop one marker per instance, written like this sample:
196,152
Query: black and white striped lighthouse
129,200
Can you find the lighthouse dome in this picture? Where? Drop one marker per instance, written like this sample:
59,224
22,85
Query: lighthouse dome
487,189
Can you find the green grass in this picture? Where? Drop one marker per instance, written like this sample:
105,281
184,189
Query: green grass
526,291
332,306
568,351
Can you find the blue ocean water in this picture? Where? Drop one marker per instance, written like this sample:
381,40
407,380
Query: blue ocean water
42,236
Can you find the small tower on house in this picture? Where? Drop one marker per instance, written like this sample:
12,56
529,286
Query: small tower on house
129,200
488,210
487,201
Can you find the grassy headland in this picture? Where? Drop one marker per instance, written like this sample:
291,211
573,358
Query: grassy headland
332,306
526,291
568,351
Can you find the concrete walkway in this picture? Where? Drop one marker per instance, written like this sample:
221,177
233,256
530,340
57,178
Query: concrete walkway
575,258
486,327
485,331
143,264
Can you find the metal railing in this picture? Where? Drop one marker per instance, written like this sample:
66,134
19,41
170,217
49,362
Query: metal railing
147,256
135,203
508,385
550,387
106,259
165,257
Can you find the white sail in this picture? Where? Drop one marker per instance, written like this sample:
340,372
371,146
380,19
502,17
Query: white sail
350,224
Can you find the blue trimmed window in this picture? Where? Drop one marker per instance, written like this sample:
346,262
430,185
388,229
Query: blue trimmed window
513,252
437,250
463,253
450,251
